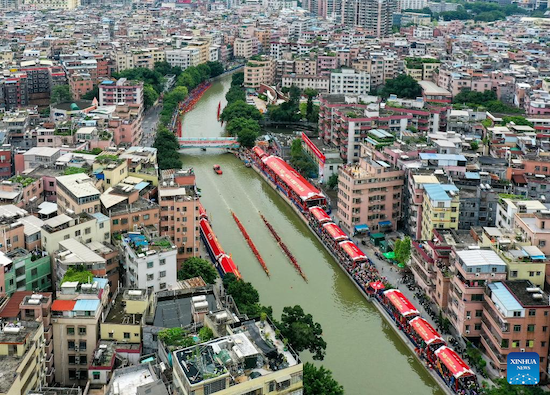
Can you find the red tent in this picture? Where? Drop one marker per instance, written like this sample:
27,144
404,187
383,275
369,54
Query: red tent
401,303
335,232
453,362
258,151
210,237
320,215
377,285
425,331
352,251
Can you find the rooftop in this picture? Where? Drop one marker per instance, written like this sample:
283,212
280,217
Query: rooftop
13,333
79,184
175,311
519,289
441,192
117,313
126,381
480,257
142,244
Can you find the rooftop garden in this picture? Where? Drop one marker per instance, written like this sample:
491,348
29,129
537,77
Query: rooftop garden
64,132
416,63
105,159
77,274
105,136
74,170
25,181
513,197
95,151
176,338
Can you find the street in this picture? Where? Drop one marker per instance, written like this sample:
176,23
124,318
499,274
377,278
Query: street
150,120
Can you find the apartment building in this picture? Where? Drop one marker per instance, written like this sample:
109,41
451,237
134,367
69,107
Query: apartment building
421,69
349,82
183,57
150,262
22,357
319,83
124,319
80,85
76,316
134,58
179,212
473,269
121,91
370,193
378,65
535,229
77,193
507,209
50,4
246,339
84,227
29,306
25,271
415,201
257,72
126,124
516,318
245,47
440,208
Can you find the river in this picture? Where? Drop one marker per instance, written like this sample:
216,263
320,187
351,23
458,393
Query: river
363,352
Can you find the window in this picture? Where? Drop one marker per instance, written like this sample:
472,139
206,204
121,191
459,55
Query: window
479,313
477,327
126,335
101,225
544,328
162,274
124,221
477,297
34,272
532,312
82,331
83,360
72,374
530,343
162,285
531,274
77,233
146,217
150,277
162,262
505,343
87,231
70,344
542,243
115,221
543,344
517,313
517,328
514,273
111,335
96,375
82,345
150,265
515,343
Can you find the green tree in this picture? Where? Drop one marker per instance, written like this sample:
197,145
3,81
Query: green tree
237,79
516,120
150,95
474,145
167,145
235,125
245,296
176,337
247,138
503,388
198,267
319,381
403,86
216,68
235,93
332,182
302,332
206,334
311,93
240,109
403,250
61,94
94,93
301,161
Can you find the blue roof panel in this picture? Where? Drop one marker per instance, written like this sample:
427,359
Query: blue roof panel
505,296
86,305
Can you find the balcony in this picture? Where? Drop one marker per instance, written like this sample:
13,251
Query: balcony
497,322
493,352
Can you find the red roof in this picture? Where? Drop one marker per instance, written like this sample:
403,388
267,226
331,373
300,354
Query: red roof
453,362
519,179
401,303
425,330
352,250
320,214
335,232
63,305
229,266
11,309
292,178
258,151
210,237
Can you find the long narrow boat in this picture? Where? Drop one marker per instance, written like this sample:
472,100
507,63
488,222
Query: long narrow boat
219,109
250,243
284,248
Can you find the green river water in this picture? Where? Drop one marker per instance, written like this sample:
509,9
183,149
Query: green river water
363,352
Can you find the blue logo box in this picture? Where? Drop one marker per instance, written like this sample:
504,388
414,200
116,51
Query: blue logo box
523,368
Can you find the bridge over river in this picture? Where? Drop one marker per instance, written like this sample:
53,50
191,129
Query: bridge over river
208,142
363,352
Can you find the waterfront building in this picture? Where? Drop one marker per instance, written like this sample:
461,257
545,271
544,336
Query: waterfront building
76,316
516,318
22,357
183,57
121,91
440,208
257,72
370,193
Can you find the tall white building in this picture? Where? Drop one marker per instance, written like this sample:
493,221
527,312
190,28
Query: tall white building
350,81
183,58
413,4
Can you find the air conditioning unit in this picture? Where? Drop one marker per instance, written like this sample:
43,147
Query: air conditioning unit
468,317
467,332
77,360
492,274
477,274
522,349
76,348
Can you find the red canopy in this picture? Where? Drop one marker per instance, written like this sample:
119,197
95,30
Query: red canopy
425,330
210,237
229,266
453,362
63,305
352,250
401,303
202,212
335,232
320,215
258,151
376,285
292,178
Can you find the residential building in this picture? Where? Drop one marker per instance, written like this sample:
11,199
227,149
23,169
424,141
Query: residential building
245,47
150,262
350,82
421,69
415,201
257,72
80,85
245,339
125,317
440,208
76,316
140,57
183,57
370,193
507,209
30,306
376,17
25,271
121,91
84,227
473,269
535,229
22,357
51,4
179,212
516,318
77,193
